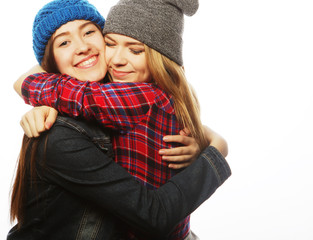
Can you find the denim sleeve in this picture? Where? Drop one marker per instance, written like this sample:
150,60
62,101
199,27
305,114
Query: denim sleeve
72,161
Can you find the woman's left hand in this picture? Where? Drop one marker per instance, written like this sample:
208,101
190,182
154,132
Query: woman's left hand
183,156
38,120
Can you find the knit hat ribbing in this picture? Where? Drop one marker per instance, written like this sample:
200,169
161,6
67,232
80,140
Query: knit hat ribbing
157,23
56,13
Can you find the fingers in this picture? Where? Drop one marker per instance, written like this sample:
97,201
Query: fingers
178,158
183,156
52,116
179,166
185,153
185,132
184,140
32,124
190,146
38,120
26,128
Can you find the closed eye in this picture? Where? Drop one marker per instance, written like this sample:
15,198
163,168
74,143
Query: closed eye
109,44
136,52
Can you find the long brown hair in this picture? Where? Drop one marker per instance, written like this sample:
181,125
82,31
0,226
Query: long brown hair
48,61
171,78
26,162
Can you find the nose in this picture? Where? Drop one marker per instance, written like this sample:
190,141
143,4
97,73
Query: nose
82,46
118,57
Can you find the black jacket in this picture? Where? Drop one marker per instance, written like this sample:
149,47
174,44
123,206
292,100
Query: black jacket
79,192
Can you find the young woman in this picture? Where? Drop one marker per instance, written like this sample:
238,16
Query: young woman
133,121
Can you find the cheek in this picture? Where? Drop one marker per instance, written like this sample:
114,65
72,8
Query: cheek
61,60
146,75
62,66
108,53
98,43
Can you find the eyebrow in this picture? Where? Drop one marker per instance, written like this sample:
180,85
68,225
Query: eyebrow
68,33
129,43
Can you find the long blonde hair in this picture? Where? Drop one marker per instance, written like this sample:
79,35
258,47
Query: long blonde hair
171,78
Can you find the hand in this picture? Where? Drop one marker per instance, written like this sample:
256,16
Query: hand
183,156
38,120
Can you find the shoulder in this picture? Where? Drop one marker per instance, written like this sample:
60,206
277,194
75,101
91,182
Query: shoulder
73,143
160,98
67,130
139,94
164,100
89,128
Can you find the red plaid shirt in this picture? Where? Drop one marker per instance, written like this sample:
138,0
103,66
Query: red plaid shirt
141,113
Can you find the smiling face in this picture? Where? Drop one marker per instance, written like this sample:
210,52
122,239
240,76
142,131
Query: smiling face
126,59
79,50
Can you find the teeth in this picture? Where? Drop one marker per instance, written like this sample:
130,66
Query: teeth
89,61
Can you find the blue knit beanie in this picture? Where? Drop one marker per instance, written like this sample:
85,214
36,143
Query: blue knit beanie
56,13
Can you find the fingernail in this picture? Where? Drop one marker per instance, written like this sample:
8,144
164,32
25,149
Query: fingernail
161,152
165,138
170,166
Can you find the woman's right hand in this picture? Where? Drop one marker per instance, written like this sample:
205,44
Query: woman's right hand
38,120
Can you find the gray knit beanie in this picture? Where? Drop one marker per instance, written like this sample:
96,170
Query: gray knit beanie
156,23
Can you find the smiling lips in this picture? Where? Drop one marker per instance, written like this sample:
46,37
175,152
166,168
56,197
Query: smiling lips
92,60
119,74
87,63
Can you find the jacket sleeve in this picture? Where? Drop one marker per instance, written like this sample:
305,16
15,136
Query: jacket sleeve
86,171
115,105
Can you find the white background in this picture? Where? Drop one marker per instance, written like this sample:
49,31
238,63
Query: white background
251,65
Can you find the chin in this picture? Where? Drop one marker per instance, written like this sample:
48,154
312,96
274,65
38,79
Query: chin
95,78
124,80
